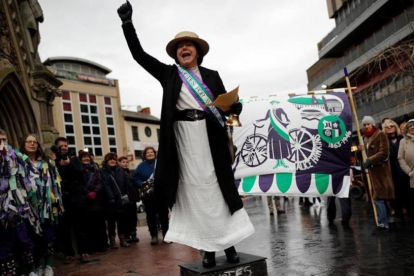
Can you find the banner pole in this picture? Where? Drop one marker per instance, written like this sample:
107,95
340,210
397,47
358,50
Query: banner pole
364,153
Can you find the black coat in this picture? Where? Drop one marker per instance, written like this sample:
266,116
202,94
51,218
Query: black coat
167,169
114,191
93,183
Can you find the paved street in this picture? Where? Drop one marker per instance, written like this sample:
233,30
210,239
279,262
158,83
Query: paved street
300,242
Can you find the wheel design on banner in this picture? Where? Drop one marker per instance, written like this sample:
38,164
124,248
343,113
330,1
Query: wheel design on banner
254,150
304,146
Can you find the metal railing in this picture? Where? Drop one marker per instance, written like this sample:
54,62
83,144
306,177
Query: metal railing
354,14
369,43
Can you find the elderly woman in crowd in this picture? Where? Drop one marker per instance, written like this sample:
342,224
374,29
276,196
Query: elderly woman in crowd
193,172
406,159
44,175
377,148
142,175
117,189
399,178
94,221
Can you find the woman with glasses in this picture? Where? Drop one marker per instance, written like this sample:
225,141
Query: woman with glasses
42,174
377,148
400,179
406,159
117,190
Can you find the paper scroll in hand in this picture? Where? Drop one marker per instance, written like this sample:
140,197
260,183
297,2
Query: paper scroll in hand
224,101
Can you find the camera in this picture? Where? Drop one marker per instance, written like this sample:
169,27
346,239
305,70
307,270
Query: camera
58,152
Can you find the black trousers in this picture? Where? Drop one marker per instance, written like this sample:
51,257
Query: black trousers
116,221
152,208
345,208
132,219
96,231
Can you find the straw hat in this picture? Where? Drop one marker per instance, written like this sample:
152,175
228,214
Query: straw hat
187,36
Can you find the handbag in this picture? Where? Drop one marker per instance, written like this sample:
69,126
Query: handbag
124,198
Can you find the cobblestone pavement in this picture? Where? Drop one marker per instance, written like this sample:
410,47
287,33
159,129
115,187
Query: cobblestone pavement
300,242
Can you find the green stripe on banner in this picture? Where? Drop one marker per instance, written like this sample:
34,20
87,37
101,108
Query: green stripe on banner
248,183
322,182
284,181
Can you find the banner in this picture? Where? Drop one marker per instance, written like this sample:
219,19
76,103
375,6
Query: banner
294,145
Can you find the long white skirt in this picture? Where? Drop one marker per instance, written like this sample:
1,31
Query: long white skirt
200,217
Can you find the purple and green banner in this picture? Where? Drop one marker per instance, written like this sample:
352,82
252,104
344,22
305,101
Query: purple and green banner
294,145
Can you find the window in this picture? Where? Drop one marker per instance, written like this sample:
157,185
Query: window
94,109
109,121
95,120
113,150
85,119
148,132
71,140
72,151
108,111
98,151
69,129
95,130
107,101
158,134
112,141
68,118
138,154
67,107
86,130
87,140
84,108
92,98
66,95
82,98
97,141
111,131
135,133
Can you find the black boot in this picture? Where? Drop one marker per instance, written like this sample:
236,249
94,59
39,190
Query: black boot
209,259
231,255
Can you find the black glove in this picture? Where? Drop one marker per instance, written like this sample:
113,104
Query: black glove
125,12
367,164
236,108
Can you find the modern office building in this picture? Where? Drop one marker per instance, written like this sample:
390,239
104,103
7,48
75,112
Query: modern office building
374,39
88,113
141,130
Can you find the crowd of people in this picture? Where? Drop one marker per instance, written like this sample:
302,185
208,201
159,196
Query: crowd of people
59,203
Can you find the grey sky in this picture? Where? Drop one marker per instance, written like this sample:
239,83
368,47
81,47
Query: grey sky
265,46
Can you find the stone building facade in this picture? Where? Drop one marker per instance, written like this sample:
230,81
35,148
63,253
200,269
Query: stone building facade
27,87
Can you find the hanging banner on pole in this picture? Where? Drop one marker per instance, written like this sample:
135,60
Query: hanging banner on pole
297,145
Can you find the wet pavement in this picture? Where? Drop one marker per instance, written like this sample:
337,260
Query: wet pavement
299,242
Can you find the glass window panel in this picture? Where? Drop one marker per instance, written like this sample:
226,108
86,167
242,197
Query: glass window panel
87,140
98,151
96,130
84,108
71,140
85,119
135,133
107,101
95,120
86,130
69,129
138,154
97,141
110,121
83,98
68,118
111,131
148,132
113,150
65,95
112,141
67,107
108,110
94,109
72,151
92,98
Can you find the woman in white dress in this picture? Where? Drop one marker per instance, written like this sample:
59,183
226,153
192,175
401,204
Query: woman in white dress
193,172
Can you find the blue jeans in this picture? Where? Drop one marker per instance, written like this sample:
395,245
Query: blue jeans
383,213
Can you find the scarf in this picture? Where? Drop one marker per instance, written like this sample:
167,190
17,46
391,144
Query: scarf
368,133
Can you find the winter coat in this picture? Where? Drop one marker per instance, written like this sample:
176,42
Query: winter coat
406,157
93,183
378,151
115,191
167,169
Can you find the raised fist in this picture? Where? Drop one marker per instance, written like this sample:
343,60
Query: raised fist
125,12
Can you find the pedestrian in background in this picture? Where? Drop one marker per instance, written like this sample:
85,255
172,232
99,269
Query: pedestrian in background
406,159
153,205
49,205
377,148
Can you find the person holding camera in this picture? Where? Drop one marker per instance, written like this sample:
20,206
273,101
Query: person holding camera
74,199
118,189
153,206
